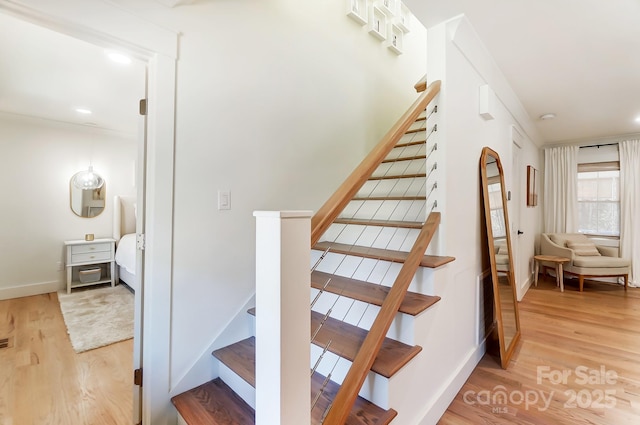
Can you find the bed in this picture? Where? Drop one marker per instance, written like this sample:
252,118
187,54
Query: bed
124,232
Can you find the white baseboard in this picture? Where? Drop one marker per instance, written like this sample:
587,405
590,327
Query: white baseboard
30,289
524,288
441,401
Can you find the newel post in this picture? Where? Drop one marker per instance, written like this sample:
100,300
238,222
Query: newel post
283,318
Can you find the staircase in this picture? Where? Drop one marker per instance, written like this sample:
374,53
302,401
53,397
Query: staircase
374,229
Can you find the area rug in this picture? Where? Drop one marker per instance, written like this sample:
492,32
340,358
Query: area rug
97,317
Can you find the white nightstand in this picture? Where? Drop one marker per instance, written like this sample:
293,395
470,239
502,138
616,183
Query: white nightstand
99,252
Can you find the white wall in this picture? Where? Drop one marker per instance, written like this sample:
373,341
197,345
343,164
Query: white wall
277,102
456,55
37,161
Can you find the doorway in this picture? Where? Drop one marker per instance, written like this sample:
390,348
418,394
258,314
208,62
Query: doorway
83,99
107,25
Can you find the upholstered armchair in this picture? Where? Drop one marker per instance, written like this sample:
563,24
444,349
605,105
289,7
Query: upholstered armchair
586,258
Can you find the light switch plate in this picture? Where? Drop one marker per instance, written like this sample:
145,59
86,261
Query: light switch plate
224,200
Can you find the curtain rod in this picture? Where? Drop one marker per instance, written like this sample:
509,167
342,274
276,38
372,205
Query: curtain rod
598,146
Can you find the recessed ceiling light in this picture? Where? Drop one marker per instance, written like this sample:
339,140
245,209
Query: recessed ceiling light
637,118
83,111
118,57
549,116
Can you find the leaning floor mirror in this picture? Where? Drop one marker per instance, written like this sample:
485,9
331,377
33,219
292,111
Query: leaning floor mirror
507,320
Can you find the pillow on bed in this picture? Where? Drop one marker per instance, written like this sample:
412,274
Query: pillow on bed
585,249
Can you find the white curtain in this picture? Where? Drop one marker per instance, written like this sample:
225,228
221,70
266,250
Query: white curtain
630,206
561,189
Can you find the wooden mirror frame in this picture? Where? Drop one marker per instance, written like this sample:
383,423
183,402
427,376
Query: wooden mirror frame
505,351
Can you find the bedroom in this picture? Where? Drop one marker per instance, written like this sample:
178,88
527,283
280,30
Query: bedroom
44,144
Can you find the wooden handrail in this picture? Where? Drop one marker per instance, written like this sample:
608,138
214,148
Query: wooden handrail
321,221
346,396
421,85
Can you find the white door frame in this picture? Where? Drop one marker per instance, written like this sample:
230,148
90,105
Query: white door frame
107,25
516,204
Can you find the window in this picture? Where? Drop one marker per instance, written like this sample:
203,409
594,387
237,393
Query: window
599,199
498,226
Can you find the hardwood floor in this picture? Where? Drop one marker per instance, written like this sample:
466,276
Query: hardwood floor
578,362
593,336
44,382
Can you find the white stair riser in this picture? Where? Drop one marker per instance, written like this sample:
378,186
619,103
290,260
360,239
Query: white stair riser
373,271
412,137
396,187
401,168
362,315
408,151
395,239
238,385
407,210
375,387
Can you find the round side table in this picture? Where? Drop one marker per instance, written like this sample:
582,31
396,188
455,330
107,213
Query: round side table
557,261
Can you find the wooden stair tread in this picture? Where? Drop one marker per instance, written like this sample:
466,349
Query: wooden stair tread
346,340
362,413
213,403
234,356
404,158
380,223
431,261
414,143
371,293
415,130
399,176
421,119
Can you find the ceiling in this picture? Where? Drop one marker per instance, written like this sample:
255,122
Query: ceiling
45,74
578,59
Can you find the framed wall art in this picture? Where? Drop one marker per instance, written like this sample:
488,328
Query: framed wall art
357,10
377,23
532,186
